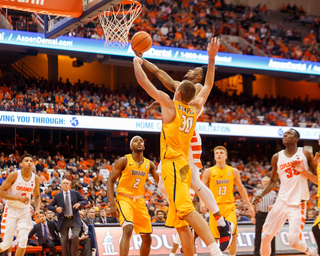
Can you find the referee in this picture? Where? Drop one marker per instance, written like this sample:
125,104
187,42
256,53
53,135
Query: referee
262,209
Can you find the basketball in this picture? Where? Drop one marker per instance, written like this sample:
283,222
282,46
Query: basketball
141,41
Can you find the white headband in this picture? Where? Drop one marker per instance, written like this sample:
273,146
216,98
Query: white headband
131,141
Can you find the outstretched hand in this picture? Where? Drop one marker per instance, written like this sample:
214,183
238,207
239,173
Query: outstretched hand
213,47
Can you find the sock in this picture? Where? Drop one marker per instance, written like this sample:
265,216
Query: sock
220,221
214,249
172,254
232,255
195,254
9,253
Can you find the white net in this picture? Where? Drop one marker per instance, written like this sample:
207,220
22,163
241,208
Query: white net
117,21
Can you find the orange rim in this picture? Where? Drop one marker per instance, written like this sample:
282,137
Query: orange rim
136,9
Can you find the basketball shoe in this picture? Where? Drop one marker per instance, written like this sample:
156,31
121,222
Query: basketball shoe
226,235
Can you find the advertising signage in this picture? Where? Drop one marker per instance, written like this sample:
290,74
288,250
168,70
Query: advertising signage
108,240
37,120
65,43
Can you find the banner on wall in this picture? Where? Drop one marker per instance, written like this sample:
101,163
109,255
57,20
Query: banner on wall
76,44
143,125
108,240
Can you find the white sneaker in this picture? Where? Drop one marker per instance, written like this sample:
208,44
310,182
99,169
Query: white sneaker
313,251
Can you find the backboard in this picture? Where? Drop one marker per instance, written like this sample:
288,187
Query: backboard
56,26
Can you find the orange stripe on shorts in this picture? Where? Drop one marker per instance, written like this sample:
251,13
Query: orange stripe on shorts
194,140
3,227
4,215
4,221
196,147
303,220
199,165
196,156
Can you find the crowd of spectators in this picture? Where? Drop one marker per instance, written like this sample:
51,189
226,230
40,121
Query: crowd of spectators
190,24
84,99
88,175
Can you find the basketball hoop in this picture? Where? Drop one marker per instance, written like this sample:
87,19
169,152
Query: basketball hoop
116,22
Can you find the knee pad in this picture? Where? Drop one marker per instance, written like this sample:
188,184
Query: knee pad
293,241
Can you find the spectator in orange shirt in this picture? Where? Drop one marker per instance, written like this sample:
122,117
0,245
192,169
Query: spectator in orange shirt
61,163
164,205
42,178
45,174
90,160
86,179
35,161
17,156
59,99
109,166
218,5
147,193
50,109
83,163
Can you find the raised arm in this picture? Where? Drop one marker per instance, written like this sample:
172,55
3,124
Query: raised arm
165,79
118,168
272,182
212,49
145,83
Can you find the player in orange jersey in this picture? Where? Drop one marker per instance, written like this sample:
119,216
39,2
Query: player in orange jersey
21,184
129,206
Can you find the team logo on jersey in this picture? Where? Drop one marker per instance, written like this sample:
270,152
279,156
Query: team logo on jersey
146,166
298,157
20,188
229,173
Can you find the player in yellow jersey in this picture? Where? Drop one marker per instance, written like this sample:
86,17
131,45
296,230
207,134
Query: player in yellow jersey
315,179
129,206
220,179
179,117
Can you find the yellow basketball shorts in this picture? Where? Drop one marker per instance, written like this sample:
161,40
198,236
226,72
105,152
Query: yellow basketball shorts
317,221
176,177
229,213
135,212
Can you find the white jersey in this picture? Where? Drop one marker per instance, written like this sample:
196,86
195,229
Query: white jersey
293,187
21,188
